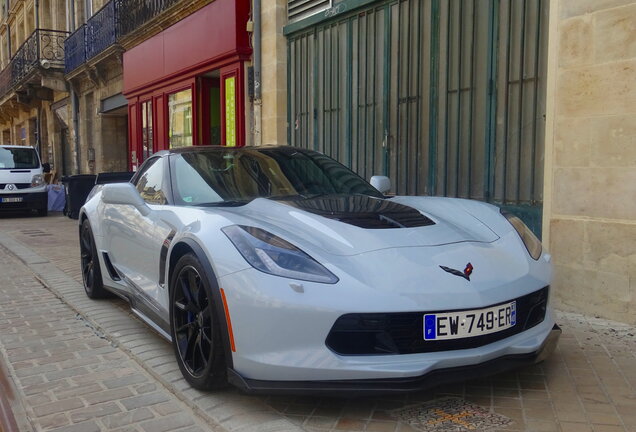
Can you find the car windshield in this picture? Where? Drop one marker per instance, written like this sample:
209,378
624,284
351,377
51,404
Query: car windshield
235,176
16,158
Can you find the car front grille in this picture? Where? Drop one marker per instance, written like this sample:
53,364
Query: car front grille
17,185
402,333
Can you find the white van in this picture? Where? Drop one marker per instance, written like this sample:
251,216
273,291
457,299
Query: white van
22,184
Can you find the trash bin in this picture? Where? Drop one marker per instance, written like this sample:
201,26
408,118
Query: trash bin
114,177
77,189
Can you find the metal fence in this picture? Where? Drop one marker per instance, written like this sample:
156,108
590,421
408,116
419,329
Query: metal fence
445,97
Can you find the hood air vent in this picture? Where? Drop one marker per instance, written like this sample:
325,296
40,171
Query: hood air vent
363,211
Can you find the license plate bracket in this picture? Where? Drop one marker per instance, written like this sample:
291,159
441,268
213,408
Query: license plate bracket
470,323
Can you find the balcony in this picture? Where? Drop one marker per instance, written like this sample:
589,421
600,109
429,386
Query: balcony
117,19
134,14
44,49
75,49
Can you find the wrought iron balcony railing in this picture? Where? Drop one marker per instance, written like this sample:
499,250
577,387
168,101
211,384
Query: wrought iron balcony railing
118,18
75,49
101,30
133,14
43,49
5,81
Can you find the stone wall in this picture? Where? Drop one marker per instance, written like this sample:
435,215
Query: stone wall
590,193
274,72
103,136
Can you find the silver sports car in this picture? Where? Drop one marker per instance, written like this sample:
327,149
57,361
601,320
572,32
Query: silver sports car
277,269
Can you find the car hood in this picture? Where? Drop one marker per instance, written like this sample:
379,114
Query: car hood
18,175
351,225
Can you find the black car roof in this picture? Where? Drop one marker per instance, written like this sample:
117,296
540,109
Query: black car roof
204,148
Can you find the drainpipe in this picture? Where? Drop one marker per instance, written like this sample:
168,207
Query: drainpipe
75,100
70,20
38,132
8,29
258,102
75,107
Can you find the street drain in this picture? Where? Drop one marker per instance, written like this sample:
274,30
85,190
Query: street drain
450,415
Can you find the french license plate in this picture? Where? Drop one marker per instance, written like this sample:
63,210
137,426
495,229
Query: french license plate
470,323
11,199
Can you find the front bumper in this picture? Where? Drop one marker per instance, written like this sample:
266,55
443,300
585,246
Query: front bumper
30,200
369,387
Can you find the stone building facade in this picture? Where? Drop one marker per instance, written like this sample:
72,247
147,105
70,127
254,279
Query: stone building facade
94,71
32,35
590,193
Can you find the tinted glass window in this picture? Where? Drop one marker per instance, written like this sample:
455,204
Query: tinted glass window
213,177
149,183
16,158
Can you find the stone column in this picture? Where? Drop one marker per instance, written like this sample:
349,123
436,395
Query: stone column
274,72
590,188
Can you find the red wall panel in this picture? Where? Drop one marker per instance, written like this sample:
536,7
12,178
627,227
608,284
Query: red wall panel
212,33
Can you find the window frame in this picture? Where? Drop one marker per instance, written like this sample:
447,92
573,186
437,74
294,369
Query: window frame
193,113
166,186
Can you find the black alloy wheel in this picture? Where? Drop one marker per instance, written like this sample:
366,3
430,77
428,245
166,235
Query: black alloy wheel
91,272
194,326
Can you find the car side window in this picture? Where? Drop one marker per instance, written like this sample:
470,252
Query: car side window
150,183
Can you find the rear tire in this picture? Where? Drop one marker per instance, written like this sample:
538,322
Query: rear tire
194,326
91,271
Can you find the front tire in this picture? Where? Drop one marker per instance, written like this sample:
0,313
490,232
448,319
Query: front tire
194,326
91,271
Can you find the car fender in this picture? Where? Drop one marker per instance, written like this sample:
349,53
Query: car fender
219,304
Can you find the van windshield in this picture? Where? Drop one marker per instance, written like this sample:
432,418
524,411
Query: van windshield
17,158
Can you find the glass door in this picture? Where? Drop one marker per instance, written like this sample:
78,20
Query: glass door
180,124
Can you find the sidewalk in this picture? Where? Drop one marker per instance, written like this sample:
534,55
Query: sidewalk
589,384
69,377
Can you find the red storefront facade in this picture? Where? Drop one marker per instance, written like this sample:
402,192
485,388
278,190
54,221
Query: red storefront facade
186,85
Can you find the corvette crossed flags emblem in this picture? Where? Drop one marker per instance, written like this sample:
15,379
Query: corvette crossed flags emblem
468,270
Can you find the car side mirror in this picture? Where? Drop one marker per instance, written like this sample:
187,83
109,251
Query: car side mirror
381,183
46,167
125,194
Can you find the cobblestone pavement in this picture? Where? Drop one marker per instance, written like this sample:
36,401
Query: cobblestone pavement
589,384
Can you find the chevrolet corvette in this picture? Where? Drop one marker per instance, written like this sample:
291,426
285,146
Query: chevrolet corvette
279,270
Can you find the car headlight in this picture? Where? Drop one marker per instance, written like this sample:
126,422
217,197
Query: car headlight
37,180
273,255
532,243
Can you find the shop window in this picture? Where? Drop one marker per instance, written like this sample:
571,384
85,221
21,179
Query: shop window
180,119
147,134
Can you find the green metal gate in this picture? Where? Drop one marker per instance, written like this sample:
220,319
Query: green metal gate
447,97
